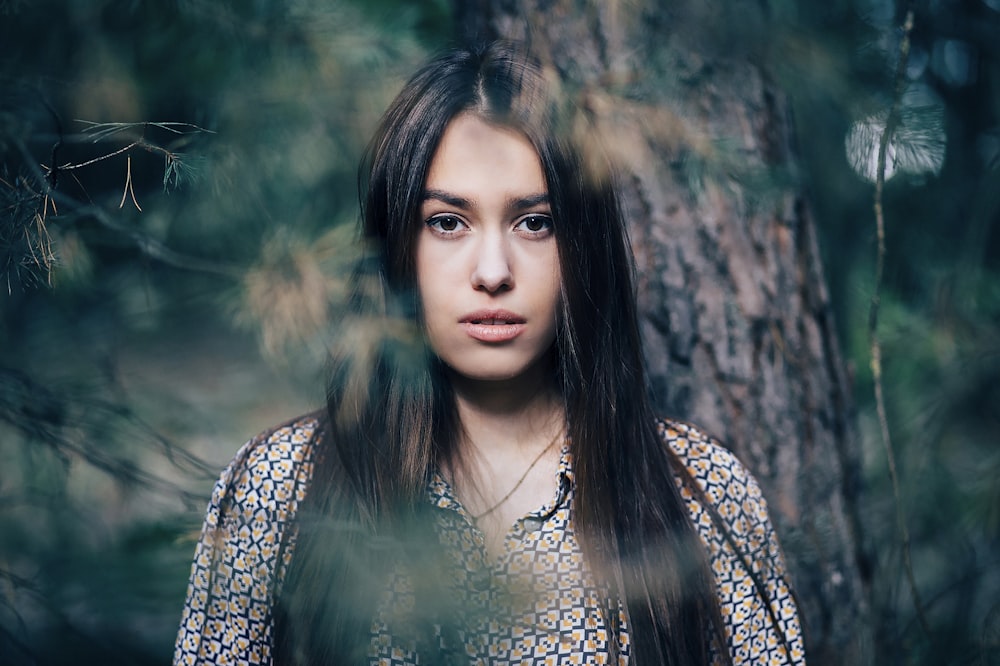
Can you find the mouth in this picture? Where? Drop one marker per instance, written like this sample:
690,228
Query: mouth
493,326
492,318
493,321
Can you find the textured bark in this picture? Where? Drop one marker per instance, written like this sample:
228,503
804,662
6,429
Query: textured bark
735,314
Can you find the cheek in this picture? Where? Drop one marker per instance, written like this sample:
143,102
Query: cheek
431,283
433,296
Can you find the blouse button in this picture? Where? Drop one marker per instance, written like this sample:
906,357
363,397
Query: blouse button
533,524
481,580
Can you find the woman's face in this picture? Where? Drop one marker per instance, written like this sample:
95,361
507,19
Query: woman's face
486,257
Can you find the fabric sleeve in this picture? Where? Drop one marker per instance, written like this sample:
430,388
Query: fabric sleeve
244,550
762,625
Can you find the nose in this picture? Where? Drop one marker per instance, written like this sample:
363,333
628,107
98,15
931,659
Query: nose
492,271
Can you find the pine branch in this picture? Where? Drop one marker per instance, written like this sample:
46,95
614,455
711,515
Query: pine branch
45,197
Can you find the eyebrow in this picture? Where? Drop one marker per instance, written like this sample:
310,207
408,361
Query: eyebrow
515,203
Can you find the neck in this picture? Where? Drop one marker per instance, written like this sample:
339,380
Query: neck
508,450
500,418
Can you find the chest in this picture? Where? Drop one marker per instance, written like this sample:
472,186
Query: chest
536,600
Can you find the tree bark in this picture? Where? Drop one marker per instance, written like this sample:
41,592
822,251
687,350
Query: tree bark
735,313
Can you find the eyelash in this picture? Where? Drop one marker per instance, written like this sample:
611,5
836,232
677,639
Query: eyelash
545,219
434,223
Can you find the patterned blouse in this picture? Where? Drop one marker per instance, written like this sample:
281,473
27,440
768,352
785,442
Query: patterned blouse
537,603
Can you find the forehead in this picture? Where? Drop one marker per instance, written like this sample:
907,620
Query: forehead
476,159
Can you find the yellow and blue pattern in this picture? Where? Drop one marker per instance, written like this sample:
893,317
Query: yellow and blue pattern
538,603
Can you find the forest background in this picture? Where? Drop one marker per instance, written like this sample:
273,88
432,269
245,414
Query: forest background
168,290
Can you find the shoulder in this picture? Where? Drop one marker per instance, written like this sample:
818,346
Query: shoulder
713,475
730,514
245,546
714,466
269,474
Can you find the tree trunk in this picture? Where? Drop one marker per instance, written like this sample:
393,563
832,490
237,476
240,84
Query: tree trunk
736,317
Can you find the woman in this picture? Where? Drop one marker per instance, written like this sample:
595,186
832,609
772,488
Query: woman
488,483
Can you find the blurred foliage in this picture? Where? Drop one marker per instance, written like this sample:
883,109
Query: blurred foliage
178,193
939,319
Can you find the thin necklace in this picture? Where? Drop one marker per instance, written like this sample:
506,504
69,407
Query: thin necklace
517,485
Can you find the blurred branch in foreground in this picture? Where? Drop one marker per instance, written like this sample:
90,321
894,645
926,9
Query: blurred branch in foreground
75,427
61,446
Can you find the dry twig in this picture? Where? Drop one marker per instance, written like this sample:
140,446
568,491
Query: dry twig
876,347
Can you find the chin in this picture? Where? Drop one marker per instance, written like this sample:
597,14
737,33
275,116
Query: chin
493,370
482,374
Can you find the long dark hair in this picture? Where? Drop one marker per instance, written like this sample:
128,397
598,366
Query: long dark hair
392,415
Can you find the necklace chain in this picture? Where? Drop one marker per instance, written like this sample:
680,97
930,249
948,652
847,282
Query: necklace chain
483,514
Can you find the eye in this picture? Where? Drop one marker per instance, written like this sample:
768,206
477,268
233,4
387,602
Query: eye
446,224
535,225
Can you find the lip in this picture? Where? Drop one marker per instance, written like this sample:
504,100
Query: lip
493,325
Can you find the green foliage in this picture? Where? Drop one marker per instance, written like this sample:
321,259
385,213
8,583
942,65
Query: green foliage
177,188
938,319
